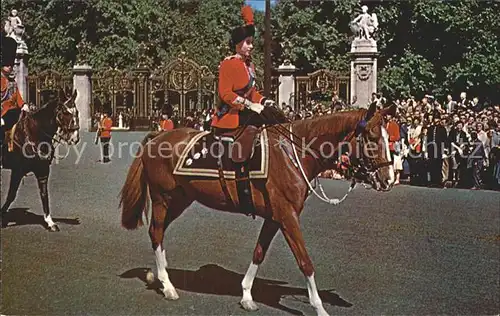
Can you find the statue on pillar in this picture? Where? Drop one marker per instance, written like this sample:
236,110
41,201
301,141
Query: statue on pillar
364,25
13,21
14,28
286,52
83,49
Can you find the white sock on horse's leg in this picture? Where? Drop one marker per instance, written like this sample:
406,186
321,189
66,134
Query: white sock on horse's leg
48,220
161,264
247,301
314,298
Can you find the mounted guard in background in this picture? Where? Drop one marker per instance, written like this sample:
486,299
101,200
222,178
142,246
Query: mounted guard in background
12,101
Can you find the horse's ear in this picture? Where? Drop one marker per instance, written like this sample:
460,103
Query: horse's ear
371,111
62,95
389,110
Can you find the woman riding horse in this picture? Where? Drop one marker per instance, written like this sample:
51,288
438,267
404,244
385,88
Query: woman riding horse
240,102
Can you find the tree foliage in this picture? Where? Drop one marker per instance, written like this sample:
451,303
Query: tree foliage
440,47
115,29
317,33
426,46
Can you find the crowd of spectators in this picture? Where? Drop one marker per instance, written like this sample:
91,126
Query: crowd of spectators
454,143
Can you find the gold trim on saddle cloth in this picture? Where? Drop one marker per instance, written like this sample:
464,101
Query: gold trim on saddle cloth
181,170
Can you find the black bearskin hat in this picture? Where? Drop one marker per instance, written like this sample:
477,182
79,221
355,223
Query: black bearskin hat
9,47
240,33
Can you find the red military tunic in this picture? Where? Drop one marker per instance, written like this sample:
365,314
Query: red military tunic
106,124
236,81
11,97
166,125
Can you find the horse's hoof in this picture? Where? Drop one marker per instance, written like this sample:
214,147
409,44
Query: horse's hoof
54,229
150,277
171,294
322,312
249,306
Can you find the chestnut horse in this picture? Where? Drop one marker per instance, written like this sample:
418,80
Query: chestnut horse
279,199
33,147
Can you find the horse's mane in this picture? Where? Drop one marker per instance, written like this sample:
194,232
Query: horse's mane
42,111
335,123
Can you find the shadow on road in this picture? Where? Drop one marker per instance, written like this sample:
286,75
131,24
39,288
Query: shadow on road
213,279
21,217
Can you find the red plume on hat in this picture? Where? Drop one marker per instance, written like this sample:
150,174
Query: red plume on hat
247,14
240,33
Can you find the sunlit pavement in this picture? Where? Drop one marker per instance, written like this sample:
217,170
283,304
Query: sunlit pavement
410,251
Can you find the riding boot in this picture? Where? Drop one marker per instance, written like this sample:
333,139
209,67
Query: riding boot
243,188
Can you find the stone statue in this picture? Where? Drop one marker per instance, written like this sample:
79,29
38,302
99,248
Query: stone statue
287,50
14,28
364,25
13,21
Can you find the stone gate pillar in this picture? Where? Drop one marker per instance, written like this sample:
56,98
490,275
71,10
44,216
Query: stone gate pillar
363,71
286,89
22,56
21,71
82,83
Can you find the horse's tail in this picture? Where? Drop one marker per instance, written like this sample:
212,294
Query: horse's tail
134,196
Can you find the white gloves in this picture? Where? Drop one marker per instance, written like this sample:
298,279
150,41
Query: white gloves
25,108
3,122
269,103
256,107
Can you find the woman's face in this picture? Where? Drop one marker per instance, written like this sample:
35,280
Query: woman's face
244,48
7,70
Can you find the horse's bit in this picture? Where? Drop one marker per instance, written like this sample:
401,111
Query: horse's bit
365,167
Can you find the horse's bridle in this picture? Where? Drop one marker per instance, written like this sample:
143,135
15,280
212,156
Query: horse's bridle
56,138
363,166
74,125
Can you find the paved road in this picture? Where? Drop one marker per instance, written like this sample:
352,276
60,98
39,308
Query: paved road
411,251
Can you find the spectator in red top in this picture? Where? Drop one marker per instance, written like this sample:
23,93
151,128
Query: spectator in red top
394,145
166,124
105,135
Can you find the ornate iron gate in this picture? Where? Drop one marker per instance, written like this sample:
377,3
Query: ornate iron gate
183,87
141,94
45,84
320,85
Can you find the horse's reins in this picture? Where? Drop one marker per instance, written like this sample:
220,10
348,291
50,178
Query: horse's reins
278,127
324,197
55,141
283,131
363,167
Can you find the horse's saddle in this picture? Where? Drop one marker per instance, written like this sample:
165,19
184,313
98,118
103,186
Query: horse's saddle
206,151
239,155
242,142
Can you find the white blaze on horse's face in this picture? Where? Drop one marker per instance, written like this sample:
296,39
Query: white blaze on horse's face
70,133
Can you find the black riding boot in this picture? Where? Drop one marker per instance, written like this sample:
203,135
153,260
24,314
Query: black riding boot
243,188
